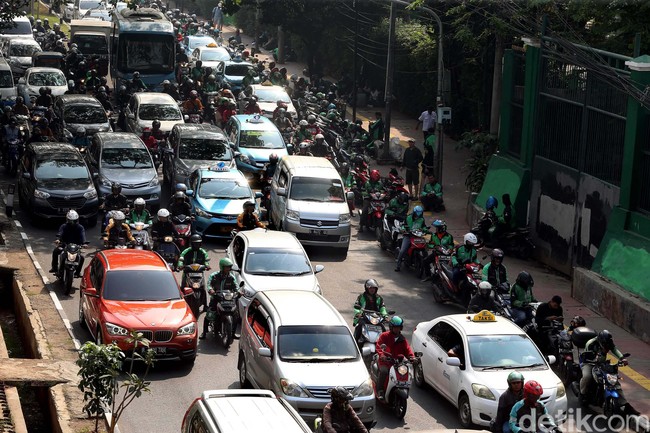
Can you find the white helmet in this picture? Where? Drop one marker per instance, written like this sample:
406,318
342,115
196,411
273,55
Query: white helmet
470,238
119,216
303,122
485,285
139,202
163,213
72,216
304,145
319,137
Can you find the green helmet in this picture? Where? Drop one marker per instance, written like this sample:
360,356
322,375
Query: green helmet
224,263
396,321
514,377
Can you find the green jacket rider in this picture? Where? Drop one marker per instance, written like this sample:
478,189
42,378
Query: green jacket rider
398,206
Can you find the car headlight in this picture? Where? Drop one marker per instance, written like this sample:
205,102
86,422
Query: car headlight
363,390
113,329
291,389
188,329
90,194
344,218
247,292
243,158
105,181
611,379
154,181
561,390
200,212
292,214
482,391
41,194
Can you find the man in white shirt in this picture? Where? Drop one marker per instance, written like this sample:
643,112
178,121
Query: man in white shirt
428,120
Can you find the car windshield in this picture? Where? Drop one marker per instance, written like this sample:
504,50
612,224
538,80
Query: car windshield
503,351
140,285
316,189
18,28
46,79
101,14
92,44
159,111
85,5
23,50
264,139
60,168
270,94
276,262
204,149
201,42
213,55
5,79
126,158
84,114
224,189
236,70
316,343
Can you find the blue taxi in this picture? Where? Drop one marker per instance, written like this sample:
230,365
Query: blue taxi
218,195
255,137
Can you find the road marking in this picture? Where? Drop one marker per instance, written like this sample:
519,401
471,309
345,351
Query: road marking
632,374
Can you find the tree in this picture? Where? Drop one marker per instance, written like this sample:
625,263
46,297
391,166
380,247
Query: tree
10,9
100,368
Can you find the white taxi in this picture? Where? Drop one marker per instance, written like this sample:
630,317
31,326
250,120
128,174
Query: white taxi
488,348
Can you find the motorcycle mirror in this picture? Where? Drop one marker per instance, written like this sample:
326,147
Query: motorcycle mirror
241,285
131,116
27,175
391,312
551,359
349,195
258,194
189,192
453,362
626,355
318,268
366,352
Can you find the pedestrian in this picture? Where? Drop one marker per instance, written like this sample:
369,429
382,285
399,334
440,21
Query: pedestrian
428,120
376,128
428,164
411,162
217,16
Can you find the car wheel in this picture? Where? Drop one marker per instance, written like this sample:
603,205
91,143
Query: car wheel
82,319
465,411
419,375
99,340
243,380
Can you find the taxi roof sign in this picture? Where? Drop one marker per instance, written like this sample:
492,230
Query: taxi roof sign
221,166
255,119
484,316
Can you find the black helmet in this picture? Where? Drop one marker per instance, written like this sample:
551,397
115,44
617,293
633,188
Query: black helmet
403,197
42,91
273,159
525,280
195,241
497,254
249,204
155,123
116,188
340,395
606,340
371,283
179,195
578,321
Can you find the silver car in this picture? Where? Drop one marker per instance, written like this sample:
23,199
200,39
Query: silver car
80,111
19,54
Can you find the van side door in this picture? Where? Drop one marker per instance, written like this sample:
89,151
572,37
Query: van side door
260,336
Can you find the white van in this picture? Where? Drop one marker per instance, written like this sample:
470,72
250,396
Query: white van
22,28
308,199
7,88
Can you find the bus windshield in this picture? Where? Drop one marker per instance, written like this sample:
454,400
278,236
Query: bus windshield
153,54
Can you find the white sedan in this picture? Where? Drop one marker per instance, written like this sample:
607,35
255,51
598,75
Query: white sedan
211,56
38,77
488,348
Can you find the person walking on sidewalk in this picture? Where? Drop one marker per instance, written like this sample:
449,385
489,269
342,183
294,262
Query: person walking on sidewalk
411,162
428,120
217,16
428,164
376,128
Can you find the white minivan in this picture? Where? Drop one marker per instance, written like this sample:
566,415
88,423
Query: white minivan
308,199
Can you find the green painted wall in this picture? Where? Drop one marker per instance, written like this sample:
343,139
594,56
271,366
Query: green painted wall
505,175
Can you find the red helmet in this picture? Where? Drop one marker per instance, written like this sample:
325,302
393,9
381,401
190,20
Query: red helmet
532,388
375,176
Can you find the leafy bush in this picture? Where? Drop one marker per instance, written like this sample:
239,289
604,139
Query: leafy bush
482,145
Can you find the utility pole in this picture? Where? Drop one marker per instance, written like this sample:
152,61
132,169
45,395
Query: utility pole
388,93
256,36
280,45
355,83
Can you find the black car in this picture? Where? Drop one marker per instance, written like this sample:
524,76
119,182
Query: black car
53,178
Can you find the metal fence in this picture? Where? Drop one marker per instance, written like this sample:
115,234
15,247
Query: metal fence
643,201
517,103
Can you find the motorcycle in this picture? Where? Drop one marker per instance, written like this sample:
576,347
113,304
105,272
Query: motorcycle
568,369
140,232
183,226
445,290
119,244
168,250
376,212
372,325
223,315
398,382
515,242
195,279
390,233
15,150
416,252
69,260
394,184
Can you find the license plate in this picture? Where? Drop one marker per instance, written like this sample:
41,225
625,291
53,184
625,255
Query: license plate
159,350
444,258
63,211
225,229
374,328
317,232
195,275
227,303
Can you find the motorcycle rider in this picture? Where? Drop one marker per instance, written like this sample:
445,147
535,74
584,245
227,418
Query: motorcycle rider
80,139
269,171
302,133
197,71
162,227
413,222
303,149
599,347
507,400
521,295
70,232
339,416
92,80
495,272
180,205
248,220
252,107
20,108
319,147
395,345
44,98
482,300
58,32
547,312
136,84
397,208
195,253
440,238
368,300
431,195
464,254
116,229
171,90
102,97
139,213
222,280
156,132
506,221
530,409
373,185
312,126
115,200
39,26
282,121
193,104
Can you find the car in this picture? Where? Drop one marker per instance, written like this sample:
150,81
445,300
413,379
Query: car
191,146
52,179
7,89
474,383
78,8
234,72
268,97
122,157
192,42
295,343
101,14
37,77
123,290
75,111
239,410
145,107
255,138
217,196
22,29
18,53
270,260
211,56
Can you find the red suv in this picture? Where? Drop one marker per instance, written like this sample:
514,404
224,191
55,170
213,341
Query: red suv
126,290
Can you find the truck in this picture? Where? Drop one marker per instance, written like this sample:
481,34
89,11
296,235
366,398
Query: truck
93,38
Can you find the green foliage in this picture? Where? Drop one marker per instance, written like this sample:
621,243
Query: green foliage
100,368
10,9
482,146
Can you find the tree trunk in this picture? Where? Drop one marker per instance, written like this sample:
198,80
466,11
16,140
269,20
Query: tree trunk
497,77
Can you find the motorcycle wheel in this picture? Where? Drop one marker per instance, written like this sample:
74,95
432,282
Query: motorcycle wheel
226,332
382,243
67,281
399,407
417,265
378,232
436,293
609,408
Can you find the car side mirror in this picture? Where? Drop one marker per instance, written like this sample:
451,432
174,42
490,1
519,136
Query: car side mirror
349,196
27,175
186,118
453,361
235,268
241,285
366,352
91,291
258,194
131,116
22,80
187,291
551,359
189,192
318,268
264,351
282,192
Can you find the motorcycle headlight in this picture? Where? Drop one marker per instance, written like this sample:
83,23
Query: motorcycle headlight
228,296
612,379
154,181
402,369
200,212
291,389
561,390
41,194
482,391
344,218
196,285
188,329
72,257
375,320
292,214
90,194
114,329
363,390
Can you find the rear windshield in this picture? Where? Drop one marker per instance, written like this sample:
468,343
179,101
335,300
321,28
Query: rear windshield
126,158
84,114
237,70
19,28
5,79
89,44
23,50
204,149
160,112
140,286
